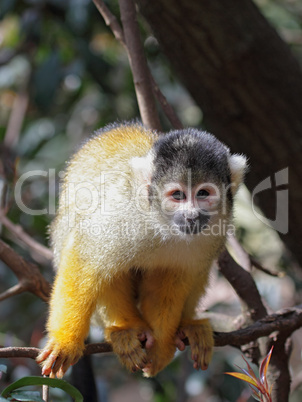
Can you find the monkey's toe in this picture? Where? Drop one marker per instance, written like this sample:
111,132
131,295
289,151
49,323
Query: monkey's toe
147,338
200,336
179,340
55,359
127,345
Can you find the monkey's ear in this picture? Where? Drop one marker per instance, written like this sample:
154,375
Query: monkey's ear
238,166
142,167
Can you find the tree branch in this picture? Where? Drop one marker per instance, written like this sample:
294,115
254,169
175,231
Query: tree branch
246,260
13,291
243,285
28,274
284,323
138,63
113,23
16,118
165,105
19,232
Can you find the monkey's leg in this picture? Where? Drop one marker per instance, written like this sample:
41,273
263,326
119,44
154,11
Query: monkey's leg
198,332
162,294
124,326
72,303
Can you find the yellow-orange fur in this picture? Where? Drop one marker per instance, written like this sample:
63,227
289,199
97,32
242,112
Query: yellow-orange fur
141,286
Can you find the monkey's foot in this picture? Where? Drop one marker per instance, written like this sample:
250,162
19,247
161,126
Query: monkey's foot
159,356
55,359
127,344
200,336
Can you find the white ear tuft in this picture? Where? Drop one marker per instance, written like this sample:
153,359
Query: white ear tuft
238,166
142,167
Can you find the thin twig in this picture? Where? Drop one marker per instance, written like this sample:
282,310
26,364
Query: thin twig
165,105
247,261
16,118
113,23
110,20
28,274
45,392
19,232
240,253
138,64
267,271
13,291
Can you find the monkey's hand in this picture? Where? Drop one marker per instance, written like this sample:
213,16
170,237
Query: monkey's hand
200,336
128,345
56,358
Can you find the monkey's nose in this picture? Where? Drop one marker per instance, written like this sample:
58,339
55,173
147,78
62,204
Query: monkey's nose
191,216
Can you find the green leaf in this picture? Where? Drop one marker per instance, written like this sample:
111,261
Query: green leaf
26,396
52,382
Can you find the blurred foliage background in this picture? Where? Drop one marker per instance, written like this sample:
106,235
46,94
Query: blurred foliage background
62,76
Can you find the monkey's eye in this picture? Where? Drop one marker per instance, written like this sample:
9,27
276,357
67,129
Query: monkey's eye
202,194
178,195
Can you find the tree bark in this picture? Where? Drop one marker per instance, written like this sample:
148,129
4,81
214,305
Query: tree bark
248,85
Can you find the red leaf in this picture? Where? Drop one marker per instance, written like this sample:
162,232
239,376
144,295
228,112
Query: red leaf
250,370
263,368
245,378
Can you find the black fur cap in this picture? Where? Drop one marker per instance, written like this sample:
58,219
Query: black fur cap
179,151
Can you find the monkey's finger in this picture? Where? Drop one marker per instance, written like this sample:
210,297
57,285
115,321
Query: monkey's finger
43,355
64,367
48,364
136,368
207,355
74,361
58,363
150,340
179,343
147,337
181,334
142,337
196,366
139,361
202,359
134,359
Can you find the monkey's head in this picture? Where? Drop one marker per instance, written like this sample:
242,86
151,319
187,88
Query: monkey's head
192,179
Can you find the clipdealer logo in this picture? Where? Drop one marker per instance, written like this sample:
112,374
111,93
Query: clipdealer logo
278,184
280,223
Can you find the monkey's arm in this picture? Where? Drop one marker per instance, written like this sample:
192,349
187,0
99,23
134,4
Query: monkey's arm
72,303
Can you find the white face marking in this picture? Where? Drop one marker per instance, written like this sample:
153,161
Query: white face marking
202,197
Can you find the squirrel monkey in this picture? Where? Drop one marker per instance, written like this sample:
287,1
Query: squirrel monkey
133,242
